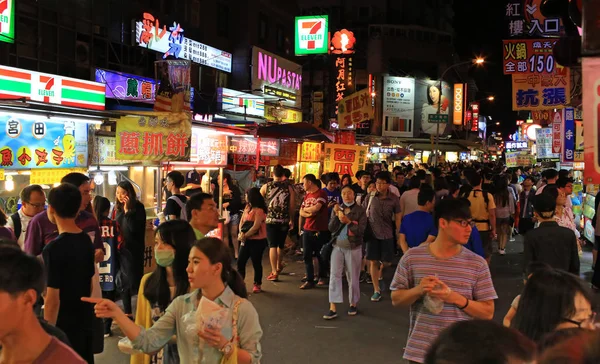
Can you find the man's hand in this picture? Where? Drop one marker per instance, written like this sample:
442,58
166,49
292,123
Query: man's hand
344,219
427,284
98,256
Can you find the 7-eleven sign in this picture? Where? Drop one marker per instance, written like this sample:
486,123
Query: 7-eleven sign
312,34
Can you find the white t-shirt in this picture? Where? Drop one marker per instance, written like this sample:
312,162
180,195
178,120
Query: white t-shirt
24,222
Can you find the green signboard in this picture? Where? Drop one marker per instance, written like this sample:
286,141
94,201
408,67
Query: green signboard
438,118
7,21
312,35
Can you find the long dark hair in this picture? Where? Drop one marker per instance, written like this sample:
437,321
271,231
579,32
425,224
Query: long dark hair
180,235
256,199
101,205
501,195
548,298
347,177
128,187
217,252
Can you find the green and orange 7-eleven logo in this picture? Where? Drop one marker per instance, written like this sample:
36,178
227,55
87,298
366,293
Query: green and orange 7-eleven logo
312,34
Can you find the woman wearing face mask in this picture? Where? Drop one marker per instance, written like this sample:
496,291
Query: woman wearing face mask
347,225
173,241
210,275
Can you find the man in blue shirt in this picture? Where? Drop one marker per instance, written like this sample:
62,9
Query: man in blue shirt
418,227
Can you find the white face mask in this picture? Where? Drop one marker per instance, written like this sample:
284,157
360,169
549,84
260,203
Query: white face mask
349,204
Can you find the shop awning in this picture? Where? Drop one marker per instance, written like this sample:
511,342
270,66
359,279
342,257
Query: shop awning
442,147
54,110
298,131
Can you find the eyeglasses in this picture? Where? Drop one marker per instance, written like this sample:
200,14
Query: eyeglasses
589,320
37,205
464,223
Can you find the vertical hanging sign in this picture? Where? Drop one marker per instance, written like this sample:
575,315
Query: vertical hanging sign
568,154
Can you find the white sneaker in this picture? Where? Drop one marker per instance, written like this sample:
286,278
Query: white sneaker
502,251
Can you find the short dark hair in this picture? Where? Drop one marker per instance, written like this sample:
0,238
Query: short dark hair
449,209
20,271
348,186
195,202
426,194
562,182
360,173
421,174
278,171
480,341
550,173
26,192
545,203
75,178
384,176
333,177
177,178
65,200
415,182
287,173
311,178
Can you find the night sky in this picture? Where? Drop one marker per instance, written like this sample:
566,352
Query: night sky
480,27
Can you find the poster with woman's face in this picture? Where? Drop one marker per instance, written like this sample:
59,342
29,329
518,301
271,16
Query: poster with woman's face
430,101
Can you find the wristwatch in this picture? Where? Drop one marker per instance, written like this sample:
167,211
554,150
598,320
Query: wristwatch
227,349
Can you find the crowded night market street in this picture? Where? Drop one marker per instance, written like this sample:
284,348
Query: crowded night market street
264,181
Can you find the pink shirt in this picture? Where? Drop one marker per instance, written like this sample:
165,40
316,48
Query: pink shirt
250,216
57,352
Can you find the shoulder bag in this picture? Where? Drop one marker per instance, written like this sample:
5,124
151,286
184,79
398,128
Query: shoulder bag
235,339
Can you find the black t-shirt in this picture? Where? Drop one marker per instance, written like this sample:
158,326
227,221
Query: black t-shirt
173,208
69,263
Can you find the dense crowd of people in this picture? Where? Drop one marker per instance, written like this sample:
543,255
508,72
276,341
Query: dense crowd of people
441,225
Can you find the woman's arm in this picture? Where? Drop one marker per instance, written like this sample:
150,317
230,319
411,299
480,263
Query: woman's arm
259,219
250,333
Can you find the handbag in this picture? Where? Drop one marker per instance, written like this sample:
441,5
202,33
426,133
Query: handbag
235,339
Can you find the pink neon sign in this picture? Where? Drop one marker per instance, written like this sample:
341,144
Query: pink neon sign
270,72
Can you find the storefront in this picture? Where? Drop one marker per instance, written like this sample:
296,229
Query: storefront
45,129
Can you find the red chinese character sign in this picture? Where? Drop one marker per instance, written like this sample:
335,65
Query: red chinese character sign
591,122
154,137
246,145
355,109
208,149
344,159
343,77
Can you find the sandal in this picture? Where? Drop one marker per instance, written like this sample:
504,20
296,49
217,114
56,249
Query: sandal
279,270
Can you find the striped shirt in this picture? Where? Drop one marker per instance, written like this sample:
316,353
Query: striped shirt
466,273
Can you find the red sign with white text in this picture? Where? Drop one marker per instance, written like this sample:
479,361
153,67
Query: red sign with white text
557,122
475,116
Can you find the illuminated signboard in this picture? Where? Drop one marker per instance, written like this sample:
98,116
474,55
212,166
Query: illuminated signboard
274,74
16,83
513,145
245,145
232,101
7,21
459,100
343,42
279,93
208,150
311,35
123,86
169,39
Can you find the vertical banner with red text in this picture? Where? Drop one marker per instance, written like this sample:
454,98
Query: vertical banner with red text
557,123
591,121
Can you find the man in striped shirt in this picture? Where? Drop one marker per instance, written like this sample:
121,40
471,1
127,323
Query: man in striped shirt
446,272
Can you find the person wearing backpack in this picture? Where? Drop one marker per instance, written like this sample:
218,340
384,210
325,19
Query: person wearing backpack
483,210
175,208
33,200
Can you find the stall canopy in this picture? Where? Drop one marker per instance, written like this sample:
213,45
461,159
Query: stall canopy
298,131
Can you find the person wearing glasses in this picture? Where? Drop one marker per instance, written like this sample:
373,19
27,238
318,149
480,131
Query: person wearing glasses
33,201
553,300
446,273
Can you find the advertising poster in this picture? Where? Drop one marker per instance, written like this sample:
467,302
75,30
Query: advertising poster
354,109
123,86
208,150
541,91
170,40
174,90
154,137
106,151
398,106
35,143
511,159
278,75
344,159
591,121
544,145
568,154
283,115
430,101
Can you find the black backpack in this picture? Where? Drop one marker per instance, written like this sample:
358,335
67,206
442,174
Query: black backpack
16,219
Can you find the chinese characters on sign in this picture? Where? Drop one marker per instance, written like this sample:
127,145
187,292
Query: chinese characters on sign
250,160
155,137
152,35
123,86
343,77
208,150
541,91
528,56
32,143
310,152
475,116
344,159
355,109
245,145
398,106
544,145
513,145
568,154
525,19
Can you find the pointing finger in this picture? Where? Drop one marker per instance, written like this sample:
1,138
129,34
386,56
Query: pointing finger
91,300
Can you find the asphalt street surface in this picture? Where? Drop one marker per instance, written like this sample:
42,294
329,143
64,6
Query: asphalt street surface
295,332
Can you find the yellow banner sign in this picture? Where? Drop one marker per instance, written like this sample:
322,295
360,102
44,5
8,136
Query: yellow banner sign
282,115
344,159
541,91
51,176
310,152
355,109
154,137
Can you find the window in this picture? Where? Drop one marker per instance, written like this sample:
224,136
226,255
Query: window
223,20
263,30
280,38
